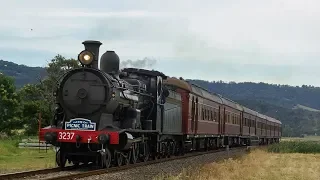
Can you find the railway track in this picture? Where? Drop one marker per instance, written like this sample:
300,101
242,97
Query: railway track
32,173
121,168
91,172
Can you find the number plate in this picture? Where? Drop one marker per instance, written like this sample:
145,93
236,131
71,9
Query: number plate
65,135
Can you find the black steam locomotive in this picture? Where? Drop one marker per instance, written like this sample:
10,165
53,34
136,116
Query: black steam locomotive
106,116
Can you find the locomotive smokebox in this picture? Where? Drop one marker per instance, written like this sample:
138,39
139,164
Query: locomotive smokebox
93,46
110,62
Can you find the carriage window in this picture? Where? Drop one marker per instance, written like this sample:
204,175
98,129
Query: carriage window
202,113
232,121
215,115
207,114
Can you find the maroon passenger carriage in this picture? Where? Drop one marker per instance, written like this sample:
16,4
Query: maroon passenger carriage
210,120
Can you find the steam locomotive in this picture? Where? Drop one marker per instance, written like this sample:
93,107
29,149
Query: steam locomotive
113,117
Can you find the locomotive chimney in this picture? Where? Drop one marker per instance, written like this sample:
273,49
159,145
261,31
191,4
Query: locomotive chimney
110,62
93,46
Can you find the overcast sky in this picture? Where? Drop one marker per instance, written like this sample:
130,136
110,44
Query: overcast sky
274,41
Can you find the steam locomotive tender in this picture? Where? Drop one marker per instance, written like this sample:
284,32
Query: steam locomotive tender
112,117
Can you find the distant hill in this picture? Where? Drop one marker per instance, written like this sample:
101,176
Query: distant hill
297,107
23,74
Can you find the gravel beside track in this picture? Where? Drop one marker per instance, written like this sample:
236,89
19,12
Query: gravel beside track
173,167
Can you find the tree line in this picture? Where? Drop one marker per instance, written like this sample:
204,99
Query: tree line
20,108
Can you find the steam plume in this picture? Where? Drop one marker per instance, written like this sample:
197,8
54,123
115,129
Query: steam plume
139,63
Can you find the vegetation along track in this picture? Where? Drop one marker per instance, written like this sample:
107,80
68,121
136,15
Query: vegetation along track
121,168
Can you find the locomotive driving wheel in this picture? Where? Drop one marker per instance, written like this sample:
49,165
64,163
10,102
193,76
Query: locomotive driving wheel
61,158
171,148
104,158
118,158
134,153
144,152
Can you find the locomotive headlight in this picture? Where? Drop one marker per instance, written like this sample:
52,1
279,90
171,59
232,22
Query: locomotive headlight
86,57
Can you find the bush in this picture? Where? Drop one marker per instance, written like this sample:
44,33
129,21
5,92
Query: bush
295,147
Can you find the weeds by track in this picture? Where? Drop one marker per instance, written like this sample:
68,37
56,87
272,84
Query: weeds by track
125,167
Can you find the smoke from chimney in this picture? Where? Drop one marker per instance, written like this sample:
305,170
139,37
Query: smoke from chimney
139,63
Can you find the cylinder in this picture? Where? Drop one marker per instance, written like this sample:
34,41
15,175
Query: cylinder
126,140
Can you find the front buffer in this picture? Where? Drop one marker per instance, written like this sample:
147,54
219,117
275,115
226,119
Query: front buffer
78,143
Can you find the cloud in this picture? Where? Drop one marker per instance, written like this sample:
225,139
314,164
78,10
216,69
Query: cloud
271,36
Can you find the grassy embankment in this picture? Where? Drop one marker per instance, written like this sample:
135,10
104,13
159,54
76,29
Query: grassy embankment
14,159
288,160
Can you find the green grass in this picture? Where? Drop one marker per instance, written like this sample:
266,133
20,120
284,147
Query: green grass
13,158
306,138
295,147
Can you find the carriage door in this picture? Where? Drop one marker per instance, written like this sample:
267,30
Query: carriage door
222,119
197,117
193,109
255,126
219,120
240,123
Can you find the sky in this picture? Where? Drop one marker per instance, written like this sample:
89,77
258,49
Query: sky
272,41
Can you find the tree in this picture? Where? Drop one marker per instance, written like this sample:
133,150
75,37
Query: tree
9,105
58,66
32,104
39,97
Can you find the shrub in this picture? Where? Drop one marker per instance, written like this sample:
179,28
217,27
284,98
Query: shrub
295,147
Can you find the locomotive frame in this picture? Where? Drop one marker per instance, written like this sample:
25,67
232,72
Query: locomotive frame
112,117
